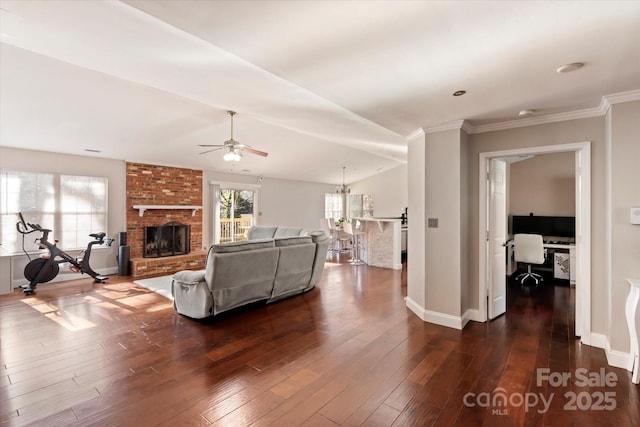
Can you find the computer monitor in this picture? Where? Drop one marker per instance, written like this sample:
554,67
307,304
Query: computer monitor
563,226
557,226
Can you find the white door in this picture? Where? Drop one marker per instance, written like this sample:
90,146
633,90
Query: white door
235,209
496,239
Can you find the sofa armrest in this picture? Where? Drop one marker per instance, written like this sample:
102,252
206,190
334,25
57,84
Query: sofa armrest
189,277
318,236
191,295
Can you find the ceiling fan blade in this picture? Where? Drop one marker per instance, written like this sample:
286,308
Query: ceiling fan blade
254,151
210,145
213,149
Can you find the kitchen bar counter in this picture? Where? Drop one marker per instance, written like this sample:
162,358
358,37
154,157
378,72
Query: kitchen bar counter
381,242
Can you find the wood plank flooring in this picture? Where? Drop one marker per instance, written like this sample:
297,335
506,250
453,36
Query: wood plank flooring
347,353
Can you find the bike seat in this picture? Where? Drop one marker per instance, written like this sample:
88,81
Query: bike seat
98,236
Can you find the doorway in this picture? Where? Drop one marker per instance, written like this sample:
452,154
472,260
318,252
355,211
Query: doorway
235,211
489,280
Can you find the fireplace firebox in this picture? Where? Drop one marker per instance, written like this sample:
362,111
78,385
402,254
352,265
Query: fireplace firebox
165,240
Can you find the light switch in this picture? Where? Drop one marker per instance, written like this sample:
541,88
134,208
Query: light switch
635,216
432,223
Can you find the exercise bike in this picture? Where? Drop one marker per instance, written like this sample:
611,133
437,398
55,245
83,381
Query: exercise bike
45,269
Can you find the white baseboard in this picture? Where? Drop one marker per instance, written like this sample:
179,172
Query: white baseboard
435,317
472,314
618,359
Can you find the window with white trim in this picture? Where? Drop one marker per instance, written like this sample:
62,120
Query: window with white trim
70,205
333,205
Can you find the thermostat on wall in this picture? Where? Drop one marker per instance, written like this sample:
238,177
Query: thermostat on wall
635,216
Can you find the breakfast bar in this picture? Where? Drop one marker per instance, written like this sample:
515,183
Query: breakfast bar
381,242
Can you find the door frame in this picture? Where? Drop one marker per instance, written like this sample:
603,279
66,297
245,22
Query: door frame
582,156
215,203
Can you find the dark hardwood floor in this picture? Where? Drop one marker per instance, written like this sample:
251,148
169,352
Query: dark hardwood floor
347,353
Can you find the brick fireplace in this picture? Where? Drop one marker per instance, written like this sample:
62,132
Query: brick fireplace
172,189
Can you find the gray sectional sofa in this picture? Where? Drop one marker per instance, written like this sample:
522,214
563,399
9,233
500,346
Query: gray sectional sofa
274,263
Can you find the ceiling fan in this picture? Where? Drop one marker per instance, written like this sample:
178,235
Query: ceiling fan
233,148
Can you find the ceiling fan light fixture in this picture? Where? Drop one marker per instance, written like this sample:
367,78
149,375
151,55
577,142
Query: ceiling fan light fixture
234,150
232,154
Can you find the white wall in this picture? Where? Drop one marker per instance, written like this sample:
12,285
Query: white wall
280,202
390,191
416,289
435,254
624,191
102,260
544,185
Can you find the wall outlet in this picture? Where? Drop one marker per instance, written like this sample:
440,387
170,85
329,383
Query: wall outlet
432,223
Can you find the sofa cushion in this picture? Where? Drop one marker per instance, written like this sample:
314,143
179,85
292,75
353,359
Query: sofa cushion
295,266
289,241
242,277
244,245
287,232
261,232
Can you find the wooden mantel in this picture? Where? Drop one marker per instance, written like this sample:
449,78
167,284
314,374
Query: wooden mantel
142,208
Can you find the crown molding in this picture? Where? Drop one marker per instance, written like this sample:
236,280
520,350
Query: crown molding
532,121
605,103
415,134
617,98
601,110
455,125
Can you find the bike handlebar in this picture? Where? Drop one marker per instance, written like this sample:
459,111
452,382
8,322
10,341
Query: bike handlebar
24,227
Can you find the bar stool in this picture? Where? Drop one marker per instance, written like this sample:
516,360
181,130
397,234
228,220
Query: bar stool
347,227
332,232
341,238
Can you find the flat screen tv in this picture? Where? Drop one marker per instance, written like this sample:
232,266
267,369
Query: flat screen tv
557,226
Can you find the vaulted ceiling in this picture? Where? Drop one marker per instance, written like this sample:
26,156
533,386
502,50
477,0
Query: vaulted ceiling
317,84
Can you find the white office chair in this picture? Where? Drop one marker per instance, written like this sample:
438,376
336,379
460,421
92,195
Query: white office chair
529,249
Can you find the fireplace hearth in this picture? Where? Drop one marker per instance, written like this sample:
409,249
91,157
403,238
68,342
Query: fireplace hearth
166,240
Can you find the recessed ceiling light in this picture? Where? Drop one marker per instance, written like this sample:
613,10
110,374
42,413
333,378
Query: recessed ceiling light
91,150
526,113
567,68
459,92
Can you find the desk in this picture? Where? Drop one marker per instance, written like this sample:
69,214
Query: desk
570,247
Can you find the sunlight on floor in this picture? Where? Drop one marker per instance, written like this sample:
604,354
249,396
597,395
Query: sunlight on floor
70,321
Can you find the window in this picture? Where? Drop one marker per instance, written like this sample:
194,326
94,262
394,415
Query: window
72,206
360,205
333,206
